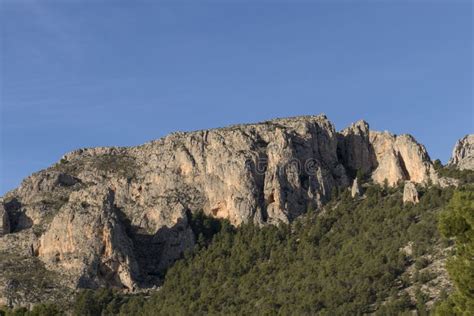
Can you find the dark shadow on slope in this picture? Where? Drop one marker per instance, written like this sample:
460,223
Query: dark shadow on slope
156,252
17,217
406,175
352,146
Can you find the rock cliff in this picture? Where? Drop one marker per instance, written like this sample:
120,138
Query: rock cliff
400,158
463,153
120,216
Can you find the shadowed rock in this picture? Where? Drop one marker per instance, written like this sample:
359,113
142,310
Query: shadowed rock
4,221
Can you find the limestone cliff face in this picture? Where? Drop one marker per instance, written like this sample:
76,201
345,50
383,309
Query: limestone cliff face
87,239
355,148
463,153
263,173
384,156
119,216
400,158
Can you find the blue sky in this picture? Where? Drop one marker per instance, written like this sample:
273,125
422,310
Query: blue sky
98,73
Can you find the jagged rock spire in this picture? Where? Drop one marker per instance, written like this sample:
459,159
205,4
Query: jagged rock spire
463,153
355,190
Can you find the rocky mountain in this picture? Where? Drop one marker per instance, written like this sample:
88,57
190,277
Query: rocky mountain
463,153
119,217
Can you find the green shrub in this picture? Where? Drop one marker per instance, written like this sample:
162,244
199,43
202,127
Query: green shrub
457,222
47,309
464,176
397,306
424,277
421,263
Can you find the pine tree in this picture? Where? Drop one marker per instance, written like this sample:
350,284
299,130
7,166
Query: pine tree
458,222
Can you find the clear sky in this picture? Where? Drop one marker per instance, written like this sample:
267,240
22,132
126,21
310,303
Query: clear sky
98,73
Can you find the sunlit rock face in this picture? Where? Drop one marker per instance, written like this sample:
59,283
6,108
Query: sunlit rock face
400,158
384,156
463,153
88,240
410,194
120,216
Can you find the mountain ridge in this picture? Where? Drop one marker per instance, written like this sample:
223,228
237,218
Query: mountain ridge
118,216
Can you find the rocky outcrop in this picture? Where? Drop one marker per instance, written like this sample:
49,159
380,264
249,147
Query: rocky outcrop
87,241
355,150
355,190
4,221
120,216
263,173
400,158
384,156
463,153
410,193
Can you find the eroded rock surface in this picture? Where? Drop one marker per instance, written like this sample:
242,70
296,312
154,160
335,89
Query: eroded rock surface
87,239
400,158
355,149
4,221
355,190
463,153
410,193
120,216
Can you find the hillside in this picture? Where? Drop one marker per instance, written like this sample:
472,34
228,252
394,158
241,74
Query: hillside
365,255
358,256
282,215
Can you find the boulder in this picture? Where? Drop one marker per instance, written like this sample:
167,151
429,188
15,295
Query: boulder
410,194
355,191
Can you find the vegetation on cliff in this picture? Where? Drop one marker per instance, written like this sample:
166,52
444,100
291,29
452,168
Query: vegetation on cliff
348,260
365,255
458,222
359,256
